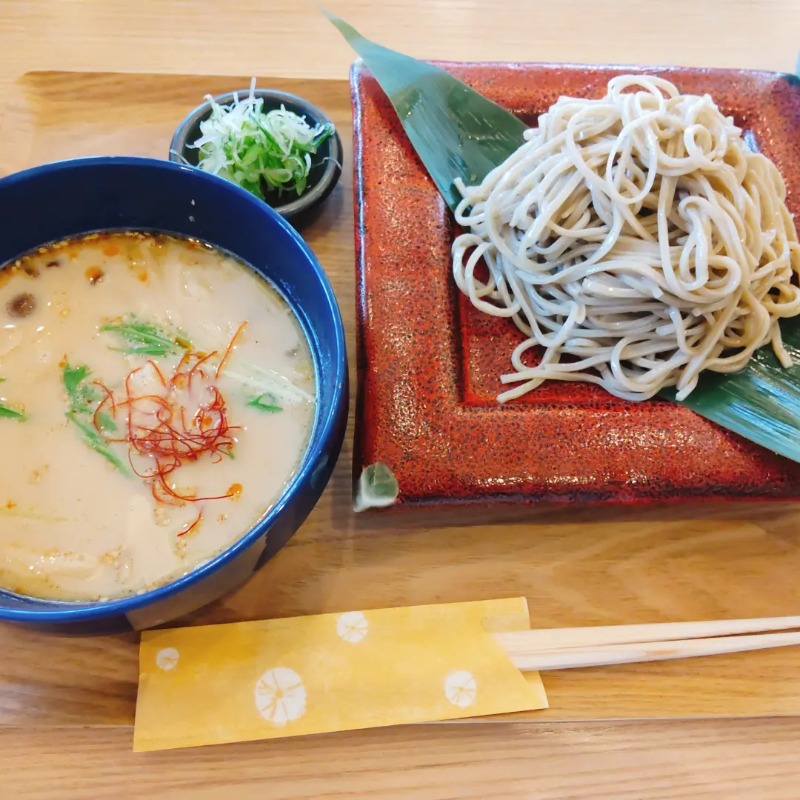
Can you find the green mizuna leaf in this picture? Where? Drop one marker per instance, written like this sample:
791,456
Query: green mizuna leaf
144,339
12,413
82,402
73,378
458,133
96,441
106,422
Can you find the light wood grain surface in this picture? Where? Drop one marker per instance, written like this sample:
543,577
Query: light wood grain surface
66,705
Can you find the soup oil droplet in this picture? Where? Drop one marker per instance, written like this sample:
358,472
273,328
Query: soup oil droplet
36,475
94,275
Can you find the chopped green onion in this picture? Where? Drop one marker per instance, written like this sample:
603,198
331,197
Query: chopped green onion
260,381
260,151
266,402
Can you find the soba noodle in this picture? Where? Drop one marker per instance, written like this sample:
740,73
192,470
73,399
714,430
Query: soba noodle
636,239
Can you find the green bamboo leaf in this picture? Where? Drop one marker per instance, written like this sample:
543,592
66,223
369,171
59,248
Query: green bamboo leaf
457,132
762,403
377,488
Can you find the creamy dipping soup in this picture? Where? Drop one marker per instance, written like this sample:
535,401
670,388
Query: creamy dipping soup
157,396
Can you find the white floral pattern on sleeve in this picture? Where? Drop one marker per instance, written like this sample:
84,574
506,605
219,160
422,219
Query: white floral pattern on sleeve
280,696
352,627
461,688
167,658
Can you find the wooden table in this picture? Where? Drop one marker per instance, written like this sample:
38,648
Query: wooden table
66,704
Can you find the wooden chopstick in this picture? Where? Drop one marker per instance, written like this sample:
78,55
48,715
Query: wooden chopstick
570,648
559,638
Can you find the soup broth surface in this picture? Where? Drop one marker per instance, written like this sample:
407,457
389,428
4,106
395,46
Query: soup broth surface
157,396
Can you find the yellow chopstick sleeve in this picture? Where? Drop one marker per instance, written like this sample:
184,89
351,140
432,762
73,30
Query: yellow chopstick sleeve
331,672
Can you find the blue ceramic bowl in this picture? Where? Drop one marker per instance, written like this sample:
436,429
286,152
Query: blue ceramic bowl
68,198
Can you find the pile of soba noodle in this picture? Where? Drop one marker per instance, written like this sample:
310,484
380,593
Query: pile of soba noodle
635,239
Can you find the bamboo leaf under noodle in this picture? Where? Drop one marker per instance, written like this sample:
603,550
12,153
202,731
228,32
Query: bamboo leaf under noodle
458,133
761,403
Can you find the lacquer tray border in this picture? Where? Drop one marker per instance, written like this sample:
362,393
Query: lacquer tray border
415,412
672,564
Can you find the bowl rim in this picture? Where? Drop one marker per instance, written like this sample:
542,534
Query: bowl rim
314,194
324,429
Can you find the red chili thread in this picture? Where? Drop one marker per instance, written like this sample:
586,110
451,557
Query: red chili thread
191,527
162,428
107,398
229,348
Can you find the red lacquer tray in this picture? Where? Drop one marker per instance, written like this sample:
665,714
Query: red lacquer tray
428,362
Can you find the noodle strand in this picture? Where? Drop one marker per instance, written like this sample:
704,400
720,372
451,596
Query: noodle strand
635,240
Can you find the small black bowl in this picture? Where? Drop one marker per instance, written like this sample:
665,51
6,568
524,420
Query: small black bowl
326,165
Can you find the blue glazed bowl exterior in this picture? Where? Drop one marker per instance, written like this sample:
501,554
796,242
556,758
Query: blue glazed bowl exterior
69,198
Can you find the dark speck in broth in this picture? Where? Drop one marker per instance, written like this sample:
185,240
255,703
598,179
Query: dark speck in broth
22,305
54,263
